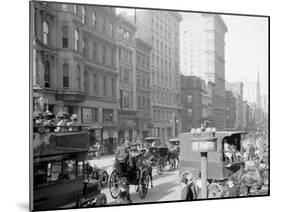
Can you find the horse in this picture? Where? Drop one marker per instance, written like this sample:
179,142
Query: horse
248,178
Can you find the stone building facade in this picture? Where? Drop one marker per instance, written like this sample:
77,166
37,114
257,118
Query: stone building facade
127,114
75,65
143,90
161,30
203,55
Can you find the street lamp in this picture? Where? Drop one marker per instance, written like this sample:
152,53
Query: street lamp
203,145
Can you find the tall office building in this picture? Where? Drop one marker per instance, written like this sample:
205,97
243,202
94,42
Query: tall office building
237,89
161,30
202,55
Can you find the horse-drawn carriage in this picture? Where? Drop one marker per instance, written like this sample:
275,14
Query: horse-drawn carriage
136,173
175,142
225,177
59,171
162,158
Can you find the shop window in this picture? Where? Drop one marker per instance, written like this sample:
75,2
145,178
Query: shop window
107,115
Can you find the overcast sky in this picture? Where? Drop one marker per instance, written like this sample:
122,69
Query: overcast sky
246,49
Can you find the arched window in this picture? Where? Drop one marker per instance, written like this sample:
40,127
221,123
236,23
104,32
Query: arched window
64,37
76,38
65,80
46,33
78,78
83,15
93,19
47,74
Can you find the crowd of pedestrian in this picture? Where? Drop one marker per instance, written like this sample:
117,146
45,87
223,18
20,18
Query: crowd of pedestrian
60,123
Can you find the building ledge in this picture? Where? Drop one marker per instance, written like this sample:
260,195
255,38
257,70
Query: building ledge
73,96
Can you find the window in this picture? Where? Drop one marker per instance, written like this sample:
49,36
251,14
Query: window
189,98
96,81
86,82
93,19
75,9
64,37
89,115
69,169
126,75
85,47
94,51
46,174
46,33
83,15
104,86
103,25
65,70
113,90
47,74
189,112
148,103
76,38
64,7
103,54
126,99
139,100
107,115
209,46
110,30
78,78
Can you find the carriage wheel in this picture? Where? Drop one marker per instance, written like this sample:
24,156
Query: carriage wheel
214,190
113,185
143,184
160,166
104,179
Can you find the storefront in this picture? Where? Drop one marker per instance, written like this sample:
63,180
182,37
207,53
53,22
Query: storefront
127,125
110,140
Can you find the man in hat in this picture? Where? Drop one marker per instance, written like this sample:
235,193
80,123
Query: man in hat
72,125
121,158
61,118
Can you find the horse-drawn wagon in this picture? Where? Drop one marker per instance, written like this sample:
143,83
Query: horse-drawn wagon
225,173
136,173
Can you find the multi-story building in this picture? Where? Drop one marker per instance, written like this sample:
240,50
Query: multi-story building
237,89
196,102
75,64
230,110
161,30
203,55
127,114
246,115
143,72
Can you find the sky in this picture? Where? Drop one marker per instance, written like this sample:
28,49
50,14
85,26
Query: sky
246,49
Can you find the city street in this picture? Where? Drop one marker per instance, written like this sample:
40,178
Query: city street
164,187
